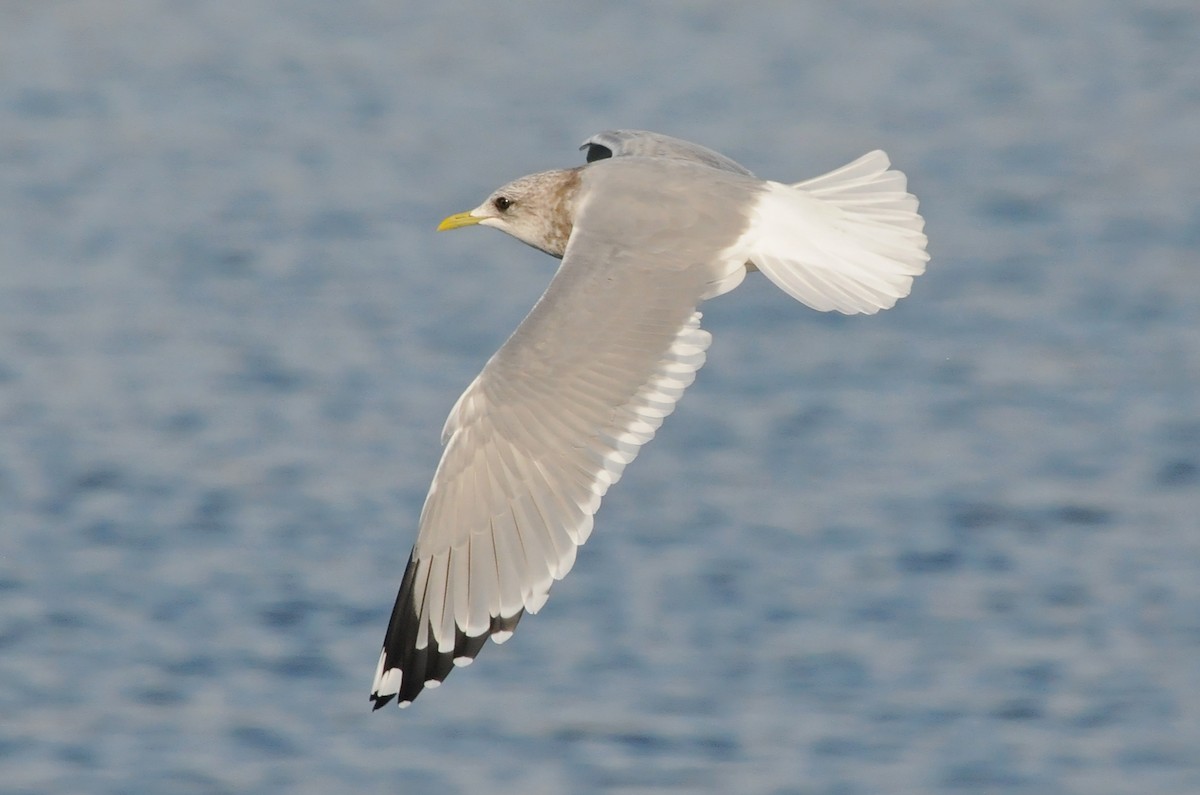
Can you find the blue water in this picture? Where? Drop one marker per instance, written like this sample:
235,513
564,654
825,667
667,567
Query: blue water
951,548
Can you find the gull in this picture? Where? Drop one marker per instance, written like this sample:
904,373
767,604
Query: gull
648,229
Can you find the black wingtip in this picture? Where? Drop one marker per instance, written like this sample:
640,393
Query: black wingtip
597,152
430,664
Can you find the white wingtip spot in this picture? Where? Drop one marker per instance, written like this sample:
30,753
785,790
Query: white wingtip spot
537,600
463,662
501,636
387,682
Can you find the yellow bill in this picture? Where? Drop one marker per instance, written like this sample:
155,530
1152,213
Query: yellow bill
457,220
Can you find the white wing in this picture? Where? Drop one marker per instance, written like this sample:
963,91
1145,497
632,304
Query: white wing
532,446
850,240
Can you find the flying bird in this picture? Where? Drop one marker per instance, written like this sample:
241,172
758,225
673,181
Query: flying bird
649,228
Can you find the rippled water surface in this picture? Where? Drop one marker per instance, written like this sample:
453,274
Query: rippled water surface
950,548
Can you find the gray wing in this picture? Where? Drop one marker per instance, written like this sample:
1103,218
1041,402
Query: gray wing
535,442
640,143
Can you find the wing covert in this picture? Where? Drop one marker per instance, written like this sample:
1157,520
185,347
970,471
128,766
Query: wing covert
641,143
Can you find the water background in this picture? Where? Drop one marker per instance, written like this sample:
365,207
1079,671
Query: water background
951,548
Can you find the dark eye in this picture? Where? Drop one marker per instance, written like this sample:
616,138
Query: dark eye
502,203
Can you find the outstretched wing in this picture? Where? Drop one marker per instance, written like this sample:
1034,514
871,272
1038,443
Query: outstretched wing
536,441
640,143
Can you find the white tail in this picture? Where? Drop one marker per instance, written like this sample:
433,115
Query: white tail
850,240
